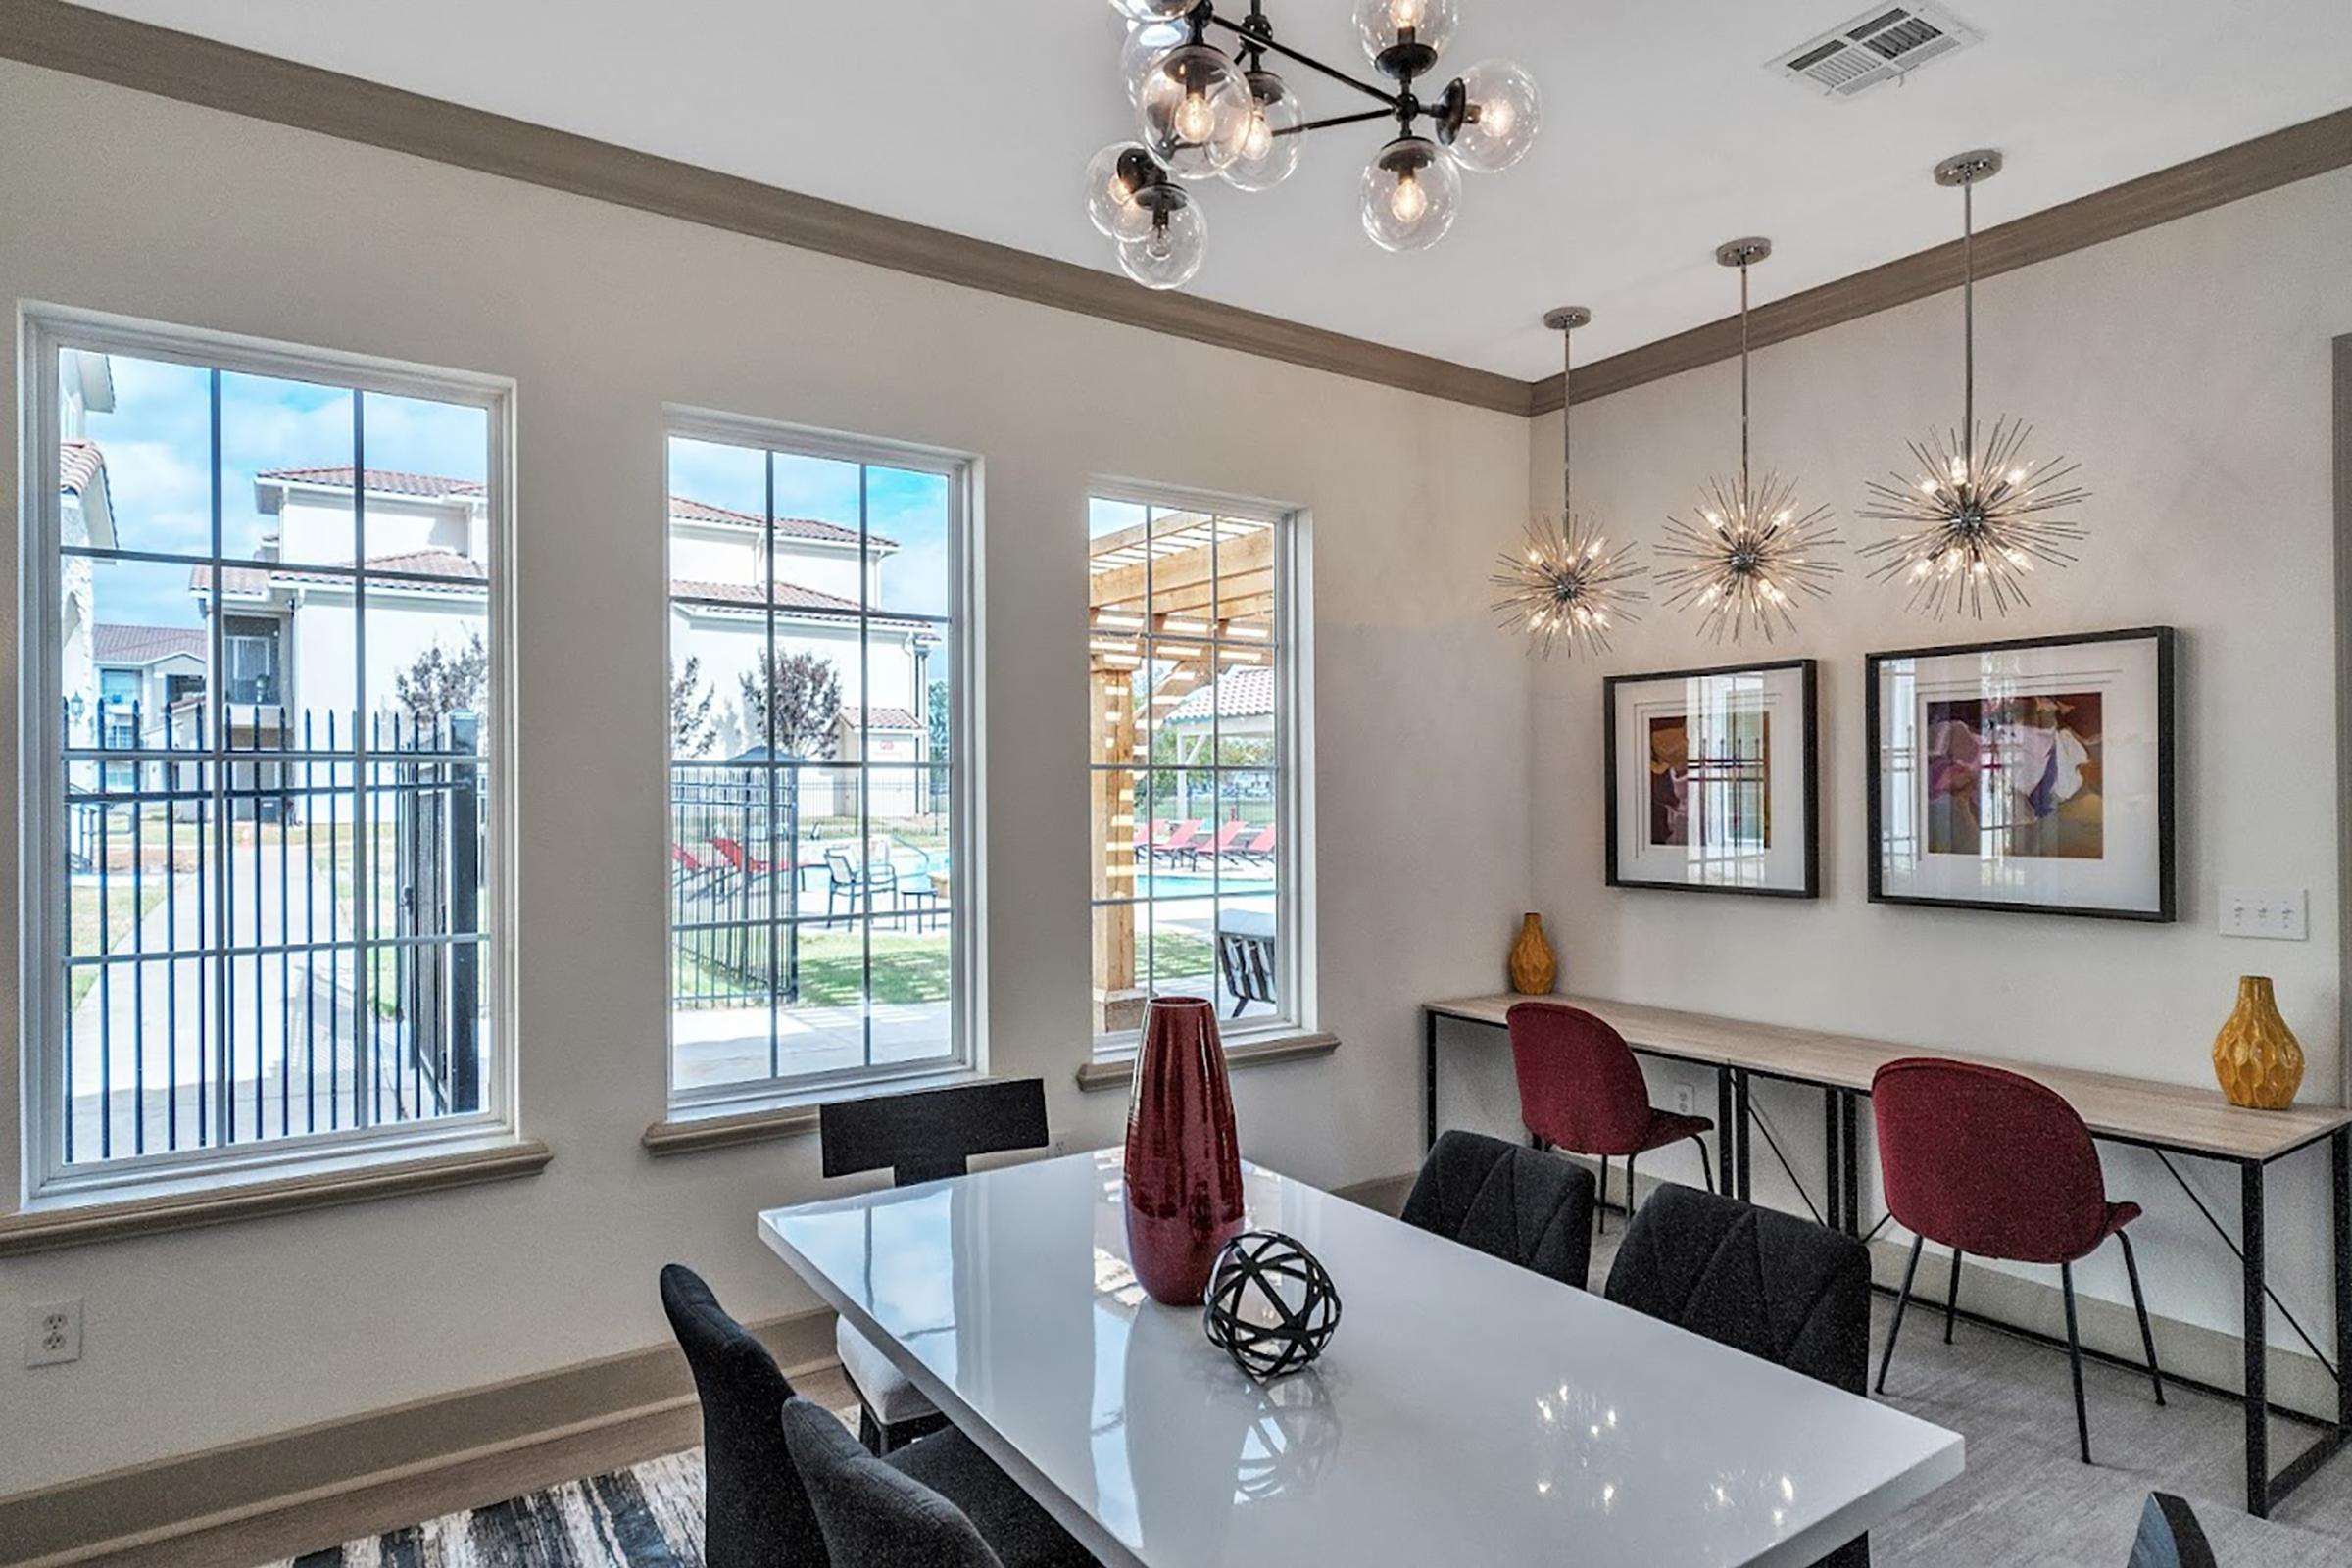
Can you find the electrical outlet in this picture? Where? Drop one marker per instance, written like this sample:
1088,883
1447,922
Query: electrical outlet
1683,1102
53,1333
2277,915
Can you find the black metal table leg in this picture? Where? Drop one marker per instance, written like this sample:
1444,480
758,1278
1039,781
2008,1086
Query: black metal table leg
2339,1159
1832,1185
2257,1346
1849,1118
1428,1079
1727,1133
1743,1188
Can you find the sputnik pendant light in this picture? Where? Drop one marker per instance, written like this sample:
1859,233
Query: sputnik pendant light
1565,584
1749,552
1974,524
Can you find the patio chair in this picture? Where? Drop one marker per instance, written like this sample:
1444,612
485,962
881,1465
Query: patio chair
844,878
738,860
1259,851
1183,839
1228,836
1246,959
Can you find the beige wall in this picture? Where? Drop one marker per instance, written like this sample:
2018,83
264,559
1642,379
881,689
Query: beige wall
2187,368
125,202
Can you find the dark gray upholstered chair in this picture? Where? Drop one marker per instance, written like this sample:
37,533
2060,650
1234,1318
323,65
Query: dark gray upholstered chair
1778,1287
2170,1535
933,1505
756,1513
1520,1205
922,1136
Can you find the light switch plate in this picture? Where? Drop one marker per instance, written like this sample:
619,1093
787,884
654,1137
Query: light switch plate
2278,915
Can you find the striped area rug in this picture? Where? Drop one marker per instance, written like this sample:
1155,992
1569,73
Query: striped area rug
650,1516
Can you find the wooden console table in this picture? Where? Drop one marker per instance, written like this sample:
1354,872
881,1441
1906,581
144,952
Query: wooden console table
2167,1118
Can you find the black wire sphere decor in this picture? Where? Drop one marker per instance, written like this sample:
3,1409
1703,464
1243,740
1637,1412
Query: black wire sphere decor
1271,1304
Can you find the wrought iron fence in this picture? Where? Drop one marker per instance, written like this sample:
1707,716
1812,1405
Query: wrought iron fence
270,931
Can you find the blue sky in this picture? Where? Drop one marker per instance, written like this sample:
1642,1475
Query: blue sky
159,473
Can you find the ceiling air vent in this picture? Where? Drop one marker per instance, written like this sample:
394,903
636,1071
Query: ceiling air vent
1884,44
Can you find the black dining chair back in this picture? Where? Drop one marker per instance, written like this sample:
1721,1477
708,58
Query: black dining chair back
756,1513
1774,1286
931,1133
2170,1535
1520,1205
869,1511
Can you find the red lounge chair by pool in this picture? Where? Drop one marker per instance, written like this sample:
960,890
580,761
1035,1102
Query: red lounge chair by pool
1183,839
1258,850
1227,837
731,851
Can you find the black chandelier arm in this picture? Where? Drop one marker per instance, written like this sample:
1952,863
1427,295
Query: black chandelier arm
1335,119
1258,41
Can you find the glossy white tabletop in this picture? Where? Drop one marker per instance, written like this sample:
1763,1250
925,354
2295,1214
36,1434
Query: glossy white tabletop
1467,1411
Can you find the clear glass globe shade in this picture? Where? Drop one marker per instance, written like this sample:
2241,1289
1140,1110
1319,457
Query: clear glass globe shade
1270,149
1383,22
1153,10
1109,198
1147,44
1410,193
1499,116
1195,111
1168,254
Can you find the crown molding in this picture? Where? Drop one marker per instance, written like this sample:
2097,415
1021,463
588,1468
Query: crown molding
2248,169
104,47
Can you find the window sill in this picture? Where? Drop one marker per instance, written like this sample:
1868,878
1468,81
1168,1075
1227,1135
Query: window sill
84,1221
1114,1072
689,1132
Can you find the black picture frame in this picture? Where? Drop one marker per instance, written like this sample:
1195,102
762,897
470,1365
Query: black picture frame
1810,687
2167,909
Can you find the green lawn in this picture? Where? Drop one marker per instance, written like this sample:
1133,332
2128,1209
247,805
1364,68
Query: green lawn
908,967
120,913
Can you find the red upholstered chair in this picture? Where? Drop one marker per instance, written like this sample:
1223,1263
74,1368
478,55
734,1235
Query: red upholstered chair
1993,1163
1581,1090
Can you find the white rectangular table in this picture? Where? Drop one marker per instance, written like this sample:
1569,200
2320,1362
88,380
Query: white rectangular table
1467,1409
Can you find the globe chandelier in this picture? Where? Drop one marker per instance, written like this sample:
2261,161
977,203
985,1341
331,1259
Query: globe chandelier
1207,113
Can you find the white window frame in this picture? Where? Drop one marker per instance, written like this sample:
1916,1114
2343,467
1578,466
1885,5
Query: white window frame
967,924
42,330
1294,978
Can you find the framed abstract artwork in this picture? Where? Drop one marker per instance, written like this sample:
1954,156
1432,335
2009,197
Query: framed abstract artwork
2032,775
1712,781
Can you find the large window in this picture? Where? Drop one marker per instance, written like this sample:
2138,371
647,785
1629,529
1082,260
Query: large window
1192,812
820,874
263,681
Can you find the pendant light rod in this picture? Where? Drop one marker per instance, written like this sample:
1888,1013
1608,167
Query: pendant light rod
1565,319
1744,253
1964,170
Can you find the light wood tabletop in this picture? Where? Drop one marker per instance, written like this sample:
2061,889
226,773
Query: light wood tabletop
2131,1109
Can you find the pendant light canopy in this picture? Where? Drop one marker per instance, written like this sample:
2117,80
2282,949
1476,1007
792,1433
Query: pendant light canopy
1565,584
1748,554
1979,515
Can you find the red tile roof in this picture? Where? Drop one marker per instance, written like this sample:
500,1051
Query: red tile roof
392,482
882,718
77,464
253,579
111,644
1245,691
789,595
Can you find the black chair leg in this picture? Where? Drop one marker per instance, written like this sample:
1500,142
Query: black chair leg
1707,1166
2074,1356
869,1431
1952,1295
2139,1304
1903,1299
1628,1186
1600,1209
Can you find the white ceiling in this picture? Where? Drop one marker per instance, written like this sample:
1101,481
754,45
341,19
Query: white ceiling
1663,135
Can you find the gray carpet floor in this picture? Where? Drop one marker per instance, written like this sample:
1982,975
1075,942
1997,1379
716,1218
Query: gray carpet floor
2023,1501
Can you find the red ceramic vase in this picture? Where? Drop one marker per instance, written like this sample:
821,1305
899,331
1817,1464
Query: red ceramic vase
1184,1160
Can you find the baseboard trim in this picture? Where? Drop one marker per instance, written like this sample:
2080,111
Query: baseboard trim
294,1492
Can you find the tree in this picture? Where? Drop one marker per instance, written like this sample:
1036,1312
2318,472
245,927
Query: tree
691,728
939,721
807,701
441,682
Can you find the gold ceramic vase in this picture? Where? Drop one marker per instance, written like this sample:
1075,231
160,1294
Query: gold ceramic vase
2256,1056
1532,967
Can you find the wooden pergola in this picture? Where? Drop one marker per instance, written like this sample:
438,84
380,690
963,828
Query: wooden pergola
1171,604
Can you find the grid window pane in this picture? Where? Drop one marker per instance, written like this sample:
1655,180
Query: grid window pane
1186,762
811,800
273,803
